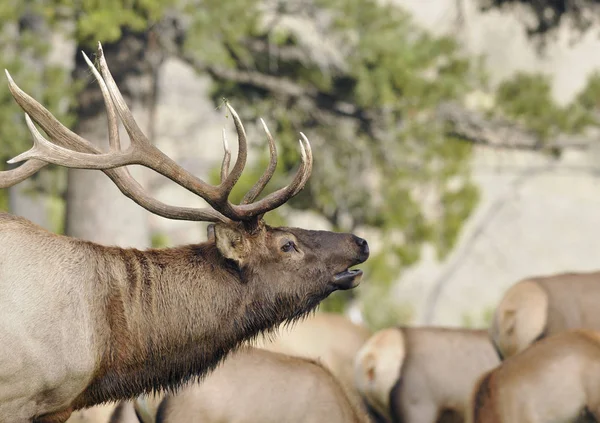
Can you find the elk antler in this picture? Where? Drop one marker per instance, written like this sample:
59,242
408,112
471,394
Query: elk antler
70,150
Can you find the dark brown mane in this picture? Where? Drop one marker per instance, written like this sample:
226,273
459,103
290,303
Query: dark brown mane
131,362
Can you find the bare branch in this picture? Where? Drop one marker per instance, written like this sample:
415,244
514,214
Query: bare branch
473,127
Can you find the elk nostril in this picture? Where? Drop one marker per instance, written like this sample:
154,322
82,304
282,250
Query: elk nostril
362,243
359,241
365,248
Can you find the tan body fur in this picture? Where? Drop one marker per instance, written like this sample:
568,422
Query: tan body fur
331,339
259,386
417,375
542,306
97,414
144,407
556,380
126,412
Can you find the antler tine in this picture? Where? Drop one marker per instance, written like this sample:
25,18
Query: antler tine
279,197
114,140
51,153
226,158
59,133
308,172
240,162
12,177
8,178
268,174
136,135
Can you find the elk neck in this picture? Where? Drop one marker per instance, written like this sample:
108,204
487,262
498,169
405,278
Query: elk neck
166,316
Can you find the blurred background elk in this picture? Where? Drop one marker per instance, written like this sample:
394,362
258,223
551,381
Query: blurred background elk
424,374
467,172
329,338
542,306
254,385
554,380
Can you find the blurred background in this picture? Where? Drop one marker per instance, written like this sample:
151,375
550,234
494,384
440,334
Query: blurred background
460,137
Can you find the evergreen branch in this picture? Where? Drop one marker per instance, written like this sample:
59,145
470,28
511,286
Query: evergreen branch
496,133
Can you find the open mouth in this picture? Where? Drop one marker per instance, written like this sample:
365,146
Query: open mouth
347,279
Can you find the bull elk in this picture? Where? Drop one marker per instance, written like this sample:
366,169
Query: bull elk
541,306
555,380
82,324
258,386
422,374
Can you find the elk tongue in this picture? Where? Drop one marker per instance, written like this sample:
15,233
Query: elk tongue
347,279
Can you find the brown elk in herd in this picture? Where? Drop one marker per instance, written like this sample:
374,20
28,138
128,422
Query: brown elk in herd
126,412
257,386
329,338
98,414
84,323
541,306
422,374
555,380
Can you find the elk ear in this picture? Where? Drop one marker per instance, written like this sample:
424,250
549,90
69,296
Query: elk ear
230,243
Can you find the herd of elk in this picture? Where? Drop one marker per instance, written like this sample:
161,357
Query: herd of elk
84,324
539,362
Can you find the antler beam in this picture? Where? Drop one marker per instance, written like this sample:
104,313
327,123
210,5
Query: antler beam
66,148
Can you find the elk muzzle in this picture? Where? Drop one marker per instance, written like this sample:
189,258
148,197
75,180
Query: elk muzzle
350,278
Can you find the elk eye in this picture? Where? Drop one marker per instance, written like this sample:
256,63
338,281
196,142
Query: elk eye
288,246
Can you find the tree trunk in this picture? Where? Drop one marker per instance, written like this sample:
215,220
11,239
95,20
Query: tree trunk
96,209
24,201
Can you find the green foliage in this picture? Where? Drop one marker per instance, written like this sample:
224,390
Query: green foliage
57,208
527,98
218,30
4,200
381,161
24,46
481,319
380,310
105,20
589,97
159,240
